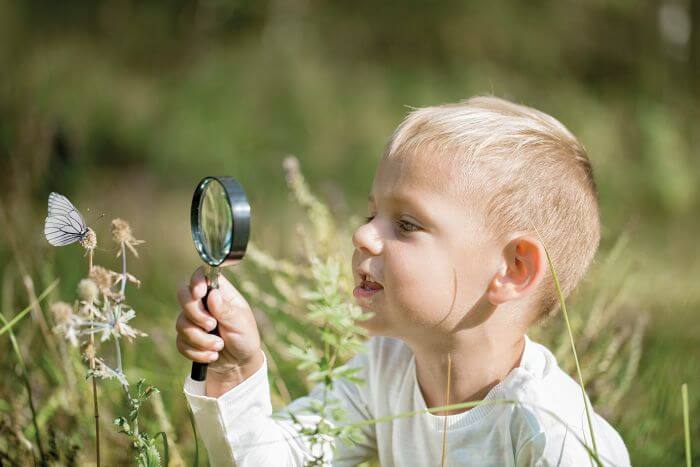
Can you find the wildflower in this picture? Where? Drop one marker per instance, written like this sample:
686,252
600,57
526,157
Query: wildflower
118,320
88,291
104,279
129,278
89,240
121,233
67,322
61,312
104,371
113,322
88,311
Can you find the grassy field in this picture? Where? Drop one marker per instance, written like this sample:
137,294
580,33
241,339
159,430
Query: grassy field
125,113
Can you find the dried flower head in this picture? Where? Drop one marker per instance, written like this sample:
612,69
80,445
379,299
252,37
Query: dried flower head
121,233
61,311
88,291
113,322
104,279
118,321
67,322
104,371
89,240
130,278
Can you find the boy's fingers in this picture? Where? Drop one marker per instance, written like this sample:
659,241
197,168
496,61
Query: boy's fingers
184,295
196,337
198,283
196,355
194,309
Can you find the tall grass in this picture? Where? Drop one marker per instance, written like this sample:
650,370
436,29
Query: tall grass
7,327
686,425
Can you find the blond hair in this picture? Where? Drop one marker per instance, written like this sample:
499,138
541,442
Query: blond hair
524,167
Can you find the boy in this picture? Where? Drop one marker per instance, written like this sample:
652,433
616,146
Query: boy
451,266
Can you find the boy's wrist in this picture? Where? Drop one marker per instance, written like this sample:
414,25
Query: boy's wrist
220,381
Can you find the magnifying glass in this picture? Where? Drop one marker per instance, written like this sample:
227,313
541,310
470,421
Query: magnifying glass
220,219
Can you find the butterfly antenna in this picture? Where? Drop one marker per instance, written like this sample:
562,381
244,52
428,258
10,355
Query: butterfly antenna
99,217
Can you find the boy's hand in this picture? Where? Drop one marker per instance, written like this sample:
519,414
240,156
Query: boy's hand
232,356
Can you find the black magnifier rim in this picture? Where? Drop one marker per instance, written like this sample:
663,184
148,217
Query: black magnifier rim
240,225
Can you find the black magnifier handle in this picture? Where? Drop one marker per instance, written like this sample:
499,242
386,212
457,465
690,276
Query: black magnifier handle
219,239
199,370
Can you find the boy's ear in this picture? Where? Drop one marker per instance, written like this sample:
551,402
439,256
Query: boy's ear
524,263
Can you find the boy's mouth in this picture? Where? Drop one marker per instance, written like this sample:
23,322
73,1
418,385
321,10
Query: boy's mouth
368,282
370,285
367,288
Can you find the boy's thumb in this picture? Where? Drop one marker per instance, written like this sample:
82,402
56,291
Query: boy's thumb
216,305
231,294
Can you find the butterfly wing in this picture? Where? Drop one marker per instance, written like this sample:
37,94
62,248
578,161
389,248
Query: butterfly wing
64,224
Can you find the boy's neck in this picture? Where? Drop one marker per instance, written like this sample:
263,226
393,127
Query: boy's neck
480,360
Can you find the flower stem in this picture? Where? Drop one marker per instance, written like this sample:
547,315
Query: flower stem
94,383
123,288
119,355
97,421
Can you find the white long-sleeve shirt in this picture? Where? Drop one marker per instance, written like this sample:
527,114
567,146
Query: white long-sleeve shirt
237,427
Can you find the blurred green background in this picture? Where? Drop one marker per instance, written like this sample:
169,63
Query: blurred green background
123,106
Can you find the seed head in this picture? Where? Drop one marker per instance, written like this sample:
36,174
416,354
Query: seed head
121,230
67,322
62,312
89,240
88,291
121,233
104,279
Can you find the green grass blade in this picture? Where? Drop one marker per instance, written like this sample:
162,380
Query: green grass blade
166,453
571,338
686,425
24,312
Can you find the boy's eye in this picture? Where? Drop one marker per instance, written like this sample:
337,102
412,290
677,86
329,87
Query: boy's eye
403,225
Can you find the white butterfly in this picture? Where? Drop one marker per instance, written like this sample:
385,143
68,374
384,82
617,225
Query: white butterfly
64,224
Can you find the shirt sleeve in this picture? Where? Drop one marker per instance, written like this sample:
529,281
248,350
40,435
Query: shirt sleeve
239,427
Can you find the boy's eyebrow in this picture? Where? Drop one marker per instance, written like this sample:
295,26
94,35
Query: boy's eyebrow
393,197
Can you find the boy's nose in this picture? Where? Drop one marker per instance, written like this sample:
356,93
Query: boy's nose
367,238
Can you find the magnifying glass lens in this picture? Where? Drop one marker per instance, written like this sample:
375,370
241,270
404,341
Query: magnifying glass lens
215,221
